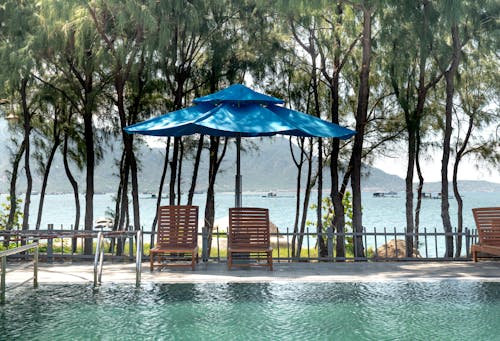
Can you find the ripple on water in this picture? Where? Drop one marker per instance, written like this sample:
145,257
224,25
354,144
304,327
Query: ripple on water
441,310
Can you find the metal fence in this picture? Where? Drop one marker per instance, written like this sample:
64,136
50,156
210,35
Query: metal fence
378,245
10,252
64,244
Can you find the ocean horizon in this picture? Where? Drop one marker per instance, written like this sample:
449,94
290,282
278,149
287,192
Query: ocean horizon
378,212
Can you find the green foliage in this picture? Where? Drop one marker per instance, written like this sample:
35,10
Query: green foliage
166,52
5,211
329,212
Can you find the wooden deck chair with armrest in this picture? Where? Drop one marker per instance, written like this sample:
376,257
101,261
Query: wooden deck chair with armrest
177,237
248,237
488,227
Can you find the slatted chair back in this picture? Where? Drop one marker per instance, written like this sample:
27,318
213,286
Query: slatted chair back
248,227
488,225
177,226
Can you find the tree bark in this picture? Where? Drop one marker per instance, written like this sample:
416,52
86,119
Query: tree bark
307,196
298,163
88,132
322,247
173,171
214,165
419,193
450,90
44,182
361,114
27,131
160,191
456,192
12,191
135,192
74,185
335,194
179,175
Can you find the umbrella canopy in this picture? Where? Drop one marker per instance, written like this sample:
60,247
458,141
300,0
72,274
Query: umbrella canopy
238,93
243,120
238,111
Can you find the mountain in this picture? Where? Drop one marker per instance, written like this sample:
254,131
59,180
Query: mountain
266,165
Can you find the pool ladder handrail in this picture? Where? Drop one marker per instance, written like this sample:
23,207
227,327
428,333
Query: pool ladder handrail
3,256
99,259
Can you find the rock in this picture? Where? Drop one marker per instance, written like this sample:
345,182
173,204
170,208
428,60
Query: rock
390,250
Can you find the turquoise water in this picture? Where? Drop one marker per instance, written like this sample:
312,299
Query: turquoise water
438,310
378,213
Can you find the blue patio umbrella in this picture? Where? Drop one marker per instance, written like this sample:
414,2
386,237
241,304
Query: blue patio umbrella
238,111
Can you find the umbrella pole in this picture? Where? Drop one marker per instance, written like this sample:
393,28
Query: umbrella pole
238,173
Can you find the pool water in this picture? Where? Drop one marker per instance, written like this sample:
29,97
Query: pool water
434,310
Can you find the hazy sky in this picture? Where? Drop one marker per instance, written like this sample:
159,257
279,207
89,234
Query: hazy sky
431,169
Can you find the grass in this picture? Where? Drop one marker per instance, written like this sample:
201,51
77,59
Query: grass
64,246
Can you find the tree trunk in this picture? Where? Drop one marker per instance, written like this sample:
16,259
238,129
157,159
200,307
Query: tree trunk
123,195
456,192
160,191
450,90
179,175
74,185
361,114
173,171
135,192
419,195
44,183
12,191
299,165
89,188
27,131
336,196
409,190
322,247
214,165
127,160
305,204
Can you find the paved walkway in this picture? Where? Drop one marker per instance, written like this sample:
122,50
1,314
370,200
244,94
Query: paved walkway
301,272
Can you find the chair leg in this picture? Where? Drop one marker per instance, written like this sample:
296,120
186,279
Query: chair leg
229,260
151,261
270,261
474,256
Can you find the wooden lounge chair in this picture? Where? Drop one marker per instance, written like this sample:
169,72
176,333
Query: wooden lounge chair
177,237
488,226
248,237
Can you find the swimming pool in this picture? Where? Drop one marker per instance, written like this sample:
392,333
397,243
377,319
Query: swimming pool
433,310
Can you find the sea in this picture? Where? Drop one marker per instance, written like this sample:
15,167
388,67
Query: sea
378,212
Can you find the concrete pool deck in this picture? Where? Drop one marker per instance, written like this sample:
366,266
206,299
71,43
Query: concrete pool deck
83,273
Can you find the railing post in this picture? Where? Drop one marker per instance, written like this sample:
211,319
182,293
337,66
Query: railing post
35,268
2,281
50,244
204,245
138,263
467,242
329,234
131,242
